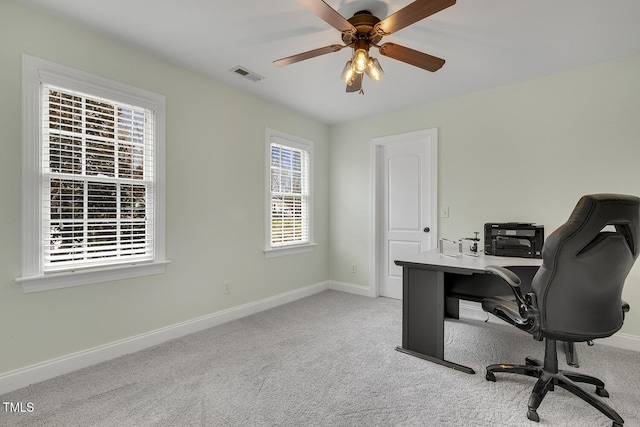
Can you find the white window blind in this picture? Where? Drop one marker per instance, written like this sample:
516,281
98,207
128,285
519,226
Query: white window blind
97,181
289,195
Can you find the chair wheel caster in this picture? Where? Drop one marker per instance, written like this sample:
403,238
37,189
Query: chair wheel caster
490,376
600,391
533,415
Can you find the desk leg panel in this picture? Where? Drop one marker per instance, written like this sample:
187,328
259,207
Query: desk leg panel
423,311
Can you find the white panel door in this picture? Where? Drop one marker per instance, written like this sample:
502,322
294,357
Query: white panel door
407,209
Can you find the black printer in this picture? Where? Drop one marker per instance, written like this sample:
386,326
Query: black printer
516,239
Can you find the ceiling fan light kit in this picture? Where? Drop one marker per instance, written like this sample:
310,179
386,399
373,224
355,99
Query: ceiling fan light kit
361,63
364,30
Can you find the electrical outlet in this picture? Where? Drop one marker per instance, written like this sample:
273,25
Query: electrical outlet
444,212
354,268
226,289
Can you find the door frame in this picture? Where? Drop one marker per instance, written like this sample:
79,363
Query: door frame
430,137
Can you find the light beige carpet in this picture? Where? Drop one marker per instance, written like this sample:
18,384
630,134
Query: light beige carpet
326,360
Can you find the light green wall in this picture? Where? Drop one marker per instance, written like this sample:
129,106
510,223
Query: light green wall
215,201
522,152
566,135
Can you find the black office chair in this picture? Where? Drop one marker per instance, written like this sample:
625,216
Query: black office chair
576,293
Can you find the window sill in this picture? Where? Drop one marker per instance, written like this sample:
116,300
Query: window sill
47,282
288,250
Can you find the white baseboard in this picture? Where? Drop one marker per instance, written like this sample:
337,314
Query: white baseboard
473,310
23,377
625,341
350,288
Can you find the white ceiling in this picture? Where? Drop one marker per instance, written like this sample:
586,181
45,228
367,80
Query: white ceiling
486,43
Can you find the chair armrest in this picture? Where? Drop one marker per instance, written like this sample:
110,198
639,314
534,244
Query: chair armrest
507,275
513,281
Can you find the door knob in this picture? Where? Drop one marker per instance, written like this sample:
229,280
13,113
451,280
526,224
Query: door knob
426,229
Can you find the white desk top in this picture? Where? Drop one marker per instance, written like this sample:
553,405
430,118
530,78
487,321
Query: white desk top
468,263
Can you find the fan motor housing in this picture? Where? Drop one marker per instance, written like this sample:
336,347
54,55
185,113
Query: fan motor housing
364,22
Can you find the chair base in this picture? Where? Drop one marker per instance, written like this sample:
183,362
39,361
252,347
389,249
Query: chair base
549,376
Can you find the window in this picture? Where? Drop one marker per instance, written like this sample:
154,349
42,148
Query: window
289,188
93,178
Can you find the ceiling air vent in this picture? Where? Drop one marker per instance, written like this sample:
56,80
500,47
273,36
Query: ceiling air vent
247,74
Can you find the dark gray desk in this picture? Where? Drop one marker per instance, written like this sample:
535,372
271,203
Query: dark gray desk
434,283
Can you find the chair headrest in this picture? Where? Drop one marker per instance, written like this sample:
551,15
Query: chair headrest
600,213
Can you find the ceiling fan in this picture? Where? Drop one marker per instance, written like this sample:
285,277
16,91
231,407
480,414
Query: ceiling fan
362,31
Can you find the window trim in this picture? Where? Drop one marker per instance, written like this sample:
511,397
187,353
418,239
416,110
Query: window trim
35,71
300,144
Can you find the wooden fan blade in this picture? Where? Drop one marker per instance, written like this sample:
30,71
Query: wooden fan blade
307,55
329,15
410,14
410,56
356,85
